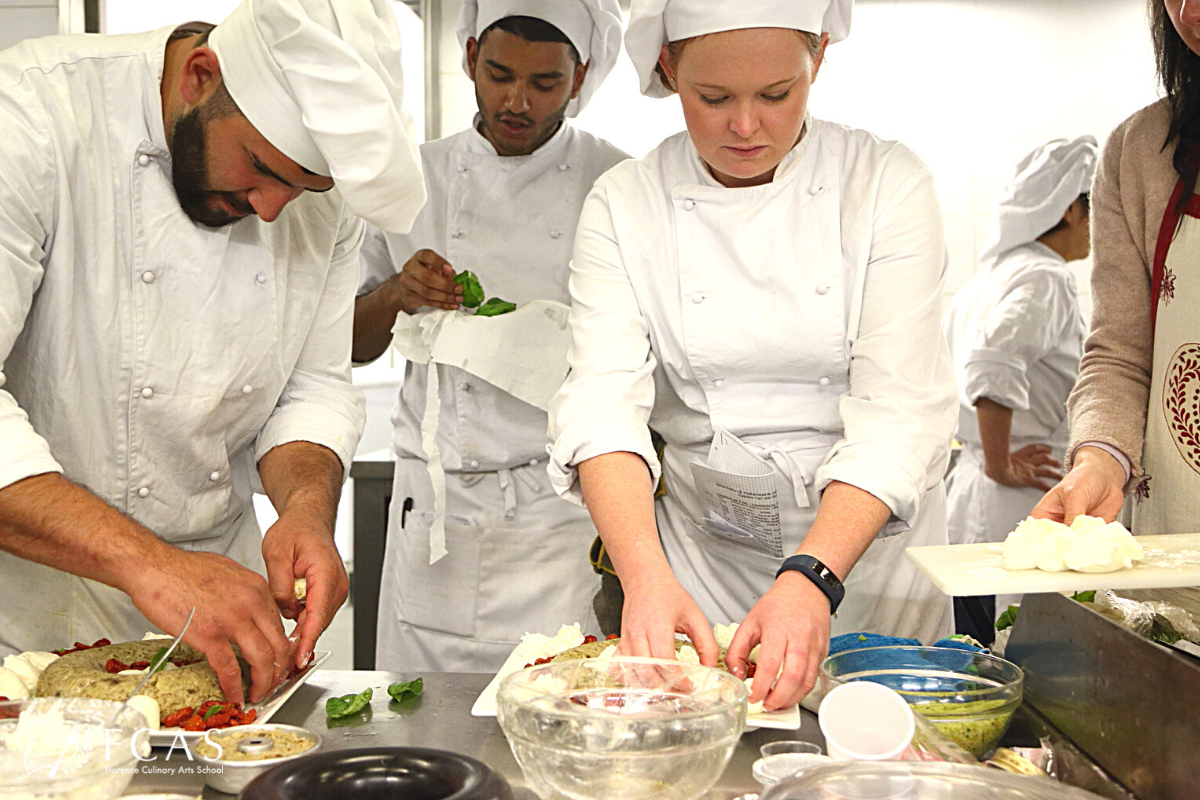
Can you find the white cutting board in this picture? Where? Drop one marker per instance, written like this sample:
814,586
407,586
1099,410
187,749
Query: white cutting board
965,570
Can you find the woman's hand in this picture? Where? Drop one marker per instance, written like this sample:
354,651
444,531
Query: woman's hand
791,622
1030,466
1093,487
654,611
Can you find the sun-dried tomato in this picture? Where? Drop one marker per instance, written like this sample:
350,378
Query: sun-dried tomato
297,670
140,665
177,717
589,639
81,646
193,723
112,666
611,636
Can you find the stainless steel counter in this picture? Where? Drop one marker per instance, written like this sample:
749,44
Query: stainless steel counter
440,718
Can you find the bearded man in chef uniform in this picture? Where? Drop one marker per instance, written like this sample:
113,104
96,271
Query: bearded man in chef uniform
505,197
179,236
1016,335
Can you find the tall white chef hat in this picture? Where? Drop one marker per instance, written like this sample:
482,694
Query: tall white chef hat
654,23
1033,201
321,81
593,26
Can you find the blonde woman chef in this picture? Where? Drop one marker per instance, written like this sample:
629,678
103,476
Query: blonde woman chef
764,291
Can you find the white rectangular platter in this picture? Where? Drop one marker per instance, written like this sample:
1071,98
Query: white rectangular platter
966,570
786,719
167,737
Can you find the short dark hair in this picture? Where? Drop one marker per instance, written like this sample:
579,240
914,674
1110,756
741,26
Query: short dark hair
1084,200
532,29
221,104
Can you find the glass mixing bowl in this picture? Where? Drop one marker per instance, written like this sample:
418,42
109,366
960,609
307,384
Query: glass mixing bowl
970,697
912,780
66,748
622,728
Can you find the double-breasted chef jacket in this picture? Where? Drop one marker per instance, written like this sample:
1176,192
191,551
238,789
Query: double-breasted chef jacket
1015,333
517,558
150,359
802,316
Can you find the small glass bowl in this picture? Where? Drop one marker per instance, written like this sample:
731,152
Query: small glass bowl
969,696
622,728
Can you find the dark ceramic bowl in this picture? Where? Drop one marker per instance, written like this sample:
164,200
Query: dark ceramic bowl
380,773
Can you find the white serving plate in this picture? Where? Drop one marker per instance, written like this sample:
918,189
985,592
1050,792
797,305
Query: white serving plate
166,737
967,570
785,719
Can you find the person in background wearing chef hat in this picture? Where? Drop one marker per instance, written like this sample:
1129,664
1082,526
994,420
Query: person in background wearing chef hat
505,199
179,236
764,290
1016,336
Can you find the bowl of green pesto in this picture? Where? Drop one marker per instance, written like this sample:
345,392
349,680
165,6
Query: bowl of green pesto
970,697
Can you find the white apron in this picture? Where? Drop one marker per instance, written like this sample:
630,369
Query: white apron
1167,498
517,562
981,510
884,593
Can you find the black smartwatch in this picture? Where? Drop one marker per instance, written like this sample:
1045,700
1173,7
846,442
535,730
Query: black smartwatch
821,576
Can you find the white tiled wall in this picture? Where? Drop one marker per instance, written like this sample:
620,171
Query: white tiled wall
973,85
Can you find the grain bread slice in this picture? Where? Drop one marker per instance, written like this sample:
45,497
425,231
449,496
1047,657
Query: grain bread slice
83,674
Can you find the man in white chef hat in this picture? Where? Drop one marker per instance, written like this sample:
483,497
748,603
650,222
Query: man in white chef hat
1016,335
505,197
180,221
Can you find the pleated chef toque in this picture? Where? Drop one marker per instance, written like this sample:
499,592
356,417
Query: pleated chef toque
654,23
1033,201
593,26
321,81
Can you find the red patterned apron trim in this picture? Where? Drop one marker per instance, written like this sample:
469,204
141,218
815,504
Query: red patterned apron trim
1159,278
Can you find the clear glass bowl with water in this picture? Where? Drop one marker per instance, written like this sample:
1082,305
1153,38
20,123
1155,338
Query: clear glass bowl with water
622,728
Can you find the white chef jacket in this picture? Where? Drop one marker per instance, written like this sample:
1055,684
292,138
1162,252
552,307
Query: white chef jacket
150,359
802,316
1016,336
849,345
511,221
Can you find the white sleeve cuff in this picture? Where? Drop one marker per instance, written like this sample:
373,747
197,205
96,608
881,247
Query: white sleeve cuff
1121,458
595,437
884,469
24,452
998,376
309,423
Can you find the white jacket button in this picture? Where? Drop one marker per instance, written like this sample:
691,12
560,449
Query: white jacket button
214,476
823,289
688,205
458,235
144,491
148,277
144,160
474,465
824,381
563,167
555,234
147,393
719,382
261,277
247,389
814,190
699,297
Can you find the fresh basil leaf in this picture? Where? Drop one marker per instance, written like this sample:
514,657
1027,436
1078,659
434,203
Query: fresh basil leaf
158,662
404,689
495,307
1085,597
1007,619
212,712
344,706
472,291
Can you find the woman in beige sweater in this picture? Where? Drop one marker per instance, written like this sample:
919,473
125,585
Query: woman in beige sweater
1135,416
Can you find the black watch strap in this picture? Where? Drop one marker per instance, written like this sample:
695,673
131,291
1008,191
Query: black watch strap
821,576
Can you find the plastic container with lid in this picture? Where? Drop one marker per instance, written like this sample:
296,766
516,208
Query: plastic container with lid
912,780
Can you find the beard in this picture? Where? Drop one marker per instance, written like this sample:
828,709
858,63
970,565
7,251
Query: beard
548,128
189,175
